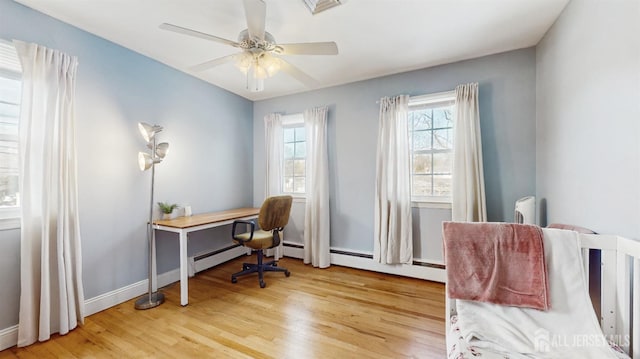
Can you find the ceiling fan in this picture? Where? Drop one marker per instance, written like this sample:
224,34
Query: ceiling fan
259,58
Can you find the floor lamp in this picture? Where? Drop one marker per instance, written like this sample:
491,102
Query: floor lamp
148,160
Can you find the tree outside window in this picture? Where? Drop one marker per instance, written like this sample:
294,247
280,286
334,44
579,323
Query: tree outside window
431,141
295,153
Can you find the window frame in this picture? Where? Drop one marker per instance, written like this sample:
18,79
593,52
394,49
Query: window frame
10,216
440,99
295,120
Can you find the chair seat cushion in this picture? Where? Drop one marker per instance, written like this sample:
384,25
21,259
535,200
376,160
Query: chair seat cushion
261,239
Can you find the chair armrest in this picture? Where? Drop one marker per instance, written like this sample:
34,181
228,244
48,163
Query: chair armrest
233,230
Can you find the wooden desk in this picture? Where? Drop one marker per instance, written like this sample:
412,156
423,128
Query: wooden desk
185,225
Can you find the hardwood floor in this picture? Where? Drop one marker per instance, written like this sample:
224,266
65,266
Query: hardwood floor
316,313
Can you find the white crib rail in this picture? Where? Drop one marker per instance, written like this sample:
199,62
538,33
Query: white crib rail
619,288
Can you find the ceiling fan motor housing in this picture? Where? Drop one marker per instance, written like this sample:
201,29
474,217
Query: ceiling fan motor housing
246,42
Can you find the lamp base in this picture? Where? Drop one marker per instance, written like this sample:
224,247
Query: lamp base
150,301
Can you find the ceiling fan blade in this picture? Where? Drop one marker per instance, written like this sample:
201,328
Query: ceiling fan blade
256,12
202,35
310,48
297,74
215,62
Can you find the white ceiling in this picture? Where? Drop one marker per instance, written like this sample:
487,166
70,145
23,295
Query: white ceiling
374,37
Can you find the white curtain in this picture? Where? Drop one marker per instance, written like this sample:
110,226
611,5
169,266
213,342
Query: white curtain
274,156
393,228
316,217
51,293
468,198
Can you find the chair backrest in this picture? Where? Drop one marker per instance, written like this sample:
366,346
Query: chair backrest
274,212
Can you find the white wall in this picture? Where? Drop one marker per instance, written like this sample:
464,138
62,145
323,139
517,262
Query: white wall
588,117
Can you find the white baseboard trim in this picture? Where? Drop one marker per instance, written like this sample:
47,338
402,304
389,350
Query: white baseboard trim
115,297
359,261
121,295
8,337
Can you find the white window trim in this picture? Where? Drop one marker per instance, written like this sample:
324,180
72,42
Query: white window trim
292,120
430,204
434,98
10,216
298,198
439,98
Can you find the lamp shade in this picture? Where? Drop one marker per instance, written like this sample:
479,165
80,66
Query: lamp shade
148,131
144,161
162,149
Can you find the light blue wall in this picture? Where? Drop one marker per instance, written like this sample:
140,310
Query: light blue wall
507,115
208,166
588,117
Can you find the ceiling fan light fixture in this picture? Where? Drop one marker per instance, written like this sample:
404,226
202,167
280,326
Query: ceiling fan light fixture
244,61
270,63
259,71
255,83
257,67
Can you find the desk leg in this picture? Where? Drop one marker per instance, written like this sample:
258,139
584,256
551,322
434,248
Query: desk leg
184,271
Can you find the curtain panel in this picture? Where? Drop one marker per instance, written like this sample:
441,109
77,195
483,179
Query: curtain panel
51,292
393,224
468,196
274,156
316,219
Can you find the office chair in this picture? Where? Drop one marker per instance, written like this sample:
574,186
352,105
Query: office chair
274,215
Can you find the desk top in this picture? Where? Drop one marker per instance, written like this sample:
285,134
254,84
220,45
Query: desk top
207,218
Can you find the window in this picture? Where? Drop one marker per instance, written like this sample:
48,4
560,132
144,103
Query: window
295,153
10,92
430,121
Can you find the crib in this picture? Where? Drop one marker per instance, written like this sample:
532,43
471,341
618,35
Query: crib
617,294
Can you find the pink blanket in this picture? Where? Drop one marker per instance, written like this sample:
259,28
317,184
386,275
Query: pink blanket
500,263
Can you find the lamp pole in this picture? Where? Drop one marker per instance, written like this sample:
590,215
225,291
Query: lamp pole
151,299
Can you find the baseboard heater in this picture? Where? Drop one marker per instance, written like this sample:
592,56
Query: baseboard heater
370,256
334,251
353,254
204,261
213,253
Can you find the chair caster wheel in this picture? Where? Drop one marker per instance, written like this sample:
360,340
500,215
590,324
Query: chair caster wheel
234,280
262,284
287,273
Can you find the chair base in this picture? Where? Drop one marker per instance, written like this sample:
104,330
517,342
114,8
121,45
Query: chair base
260,268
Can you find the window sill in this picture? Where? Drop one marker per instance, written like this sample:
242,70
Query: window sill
434,205
9,223
298,199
